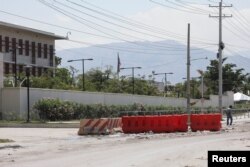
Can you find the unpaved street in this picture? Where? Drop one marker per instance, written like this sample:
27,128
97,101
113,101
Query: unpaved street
62,147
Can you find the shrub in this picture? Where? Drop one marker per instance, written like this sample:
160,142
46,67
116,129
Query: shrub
55,109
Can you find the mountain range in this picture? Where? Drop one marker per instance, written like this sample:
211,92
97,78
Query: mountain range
161,57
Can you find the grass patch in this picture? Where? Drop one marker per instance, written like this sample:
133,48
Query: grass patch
6,141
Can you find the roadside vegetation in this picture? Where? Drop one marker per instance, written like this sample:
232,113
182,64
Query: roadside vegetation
6,141
56,110
98,80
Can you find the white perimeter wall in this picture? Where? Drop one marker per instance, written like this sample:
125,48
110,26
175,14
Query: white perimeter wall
14,100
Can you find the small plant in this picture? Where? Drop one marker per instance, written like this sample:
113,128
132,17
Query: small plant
6,141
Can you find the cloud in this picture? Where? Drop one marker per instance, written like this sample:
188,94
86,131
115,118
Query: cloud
63,19
202,27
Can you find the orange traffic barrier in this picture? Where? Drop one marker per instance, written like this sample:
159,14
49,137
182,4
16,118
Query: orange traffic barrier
211,122
182,123
99,126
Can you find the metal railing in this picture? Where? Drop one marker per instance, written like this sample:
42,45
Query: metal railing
239,113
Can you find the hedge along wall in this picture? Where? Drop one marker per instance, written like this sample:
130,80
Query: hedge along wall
55,109
17,105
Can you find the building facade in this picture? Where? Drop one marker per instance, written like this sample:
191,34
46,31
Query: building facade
21,46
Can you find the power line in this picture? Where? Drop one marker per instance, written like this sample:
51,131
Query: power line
91,23
182,10
135,23
54,25
192,8
129,22
193,3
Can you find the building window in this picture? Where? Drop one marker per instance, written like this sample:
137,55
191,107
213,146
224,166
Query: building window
51,54
6,68
45,50
33,50
39,50
27,48
20,44
7,44
13,44
1,40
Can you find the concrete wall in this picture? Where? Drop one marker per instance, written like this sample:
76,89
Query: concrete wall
14,100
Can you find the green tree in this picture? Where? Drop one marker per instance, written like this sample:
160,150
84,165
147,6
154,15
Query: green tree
233,79
61,80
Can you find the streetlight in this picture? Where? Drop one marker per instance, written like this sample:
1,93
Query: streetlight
28,91
15,60
83,78
188,75
133,77
166,83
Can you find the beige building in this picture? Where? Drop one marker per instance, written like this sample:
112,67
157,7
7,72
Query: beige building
21,46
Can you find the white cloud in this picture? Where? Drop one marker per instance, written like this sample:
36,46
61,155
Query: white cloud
63,19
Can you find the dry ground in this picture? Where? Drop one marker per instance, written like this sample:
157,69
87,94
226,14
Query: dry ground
40,147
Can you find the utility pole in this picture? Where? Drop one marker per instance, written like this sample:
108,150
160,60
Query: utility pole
188,76
221,47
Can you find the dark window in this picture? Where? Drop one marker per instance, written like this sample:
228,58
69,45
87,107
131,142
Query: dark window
7,44
6,68
51,53
39,50
20,44
33,50
1,40
13,44
27,48
45,50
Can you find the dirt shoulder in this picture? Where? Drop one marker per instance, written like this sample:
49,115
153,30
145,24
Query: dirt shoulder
51,147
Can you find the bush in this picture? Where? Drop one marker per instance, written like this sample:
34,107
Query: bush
55,109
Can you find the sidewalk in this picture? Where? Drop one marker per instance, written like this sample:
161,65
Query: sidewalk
61,124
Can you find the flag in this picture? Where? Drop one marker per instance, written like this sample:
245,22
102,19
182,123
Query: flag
118,63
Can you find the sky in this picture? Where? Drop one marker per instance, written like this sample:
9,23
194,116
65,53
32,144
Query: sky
154,14
86,27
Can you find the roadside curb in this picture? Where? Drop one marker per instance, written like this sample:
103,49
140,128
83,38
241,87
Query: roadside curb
39,125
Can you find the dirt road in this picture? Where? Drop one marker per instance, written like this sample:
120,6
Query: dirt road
62,147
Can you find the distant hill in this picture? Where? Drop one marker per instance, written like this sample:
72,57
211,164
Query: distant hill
156,56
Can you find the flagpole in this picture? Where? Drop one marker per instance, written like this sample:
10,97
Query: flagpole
118,66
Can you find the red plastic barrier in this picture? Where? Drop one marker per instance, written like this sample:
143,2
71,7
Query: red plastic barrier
168,124
159,124
196,122
126,124
140,128
202,122
130,124
182,123
214,122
